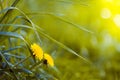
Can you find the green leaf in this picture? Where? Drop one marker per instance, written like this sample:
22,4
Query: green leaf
5,10
23,70
15,35
16,26
12,55
71,23
58,16
11,34
11,49
19,70
3,57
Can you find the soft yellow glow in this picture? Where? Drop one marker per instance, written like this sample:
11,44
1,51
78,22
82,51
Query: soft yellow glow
105,13
117,20
109,0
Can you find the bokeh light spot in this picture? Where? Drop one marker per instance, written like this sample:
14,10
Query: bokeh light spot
116,20
105,13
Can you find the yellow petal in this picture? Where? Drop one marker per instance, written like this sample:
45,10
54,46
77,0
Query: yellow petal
37,51
49,59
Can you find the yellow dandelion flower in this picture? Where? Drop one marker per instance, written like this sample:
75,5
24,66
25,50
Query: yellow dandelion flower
37,51
48,60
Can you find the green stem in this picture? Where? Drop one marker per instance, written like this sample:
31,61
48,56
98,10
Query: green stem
13,5
22,61
35,65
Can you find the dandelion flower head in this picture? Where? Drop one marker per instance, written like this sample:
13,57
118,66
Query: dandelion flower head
37,51
49,59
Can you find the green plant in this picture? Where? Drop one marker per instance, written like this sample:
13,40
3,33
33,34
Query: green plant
17,33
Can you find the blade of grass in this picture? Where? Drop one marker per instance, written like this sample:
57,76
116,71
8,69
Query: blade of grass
47,36
6,9
65,20
18,70
17,25
12,55
11,34
35,65
57,42
12,71
62,45
15,35
9,10
22,61
15,3
11,49
29,20
75,25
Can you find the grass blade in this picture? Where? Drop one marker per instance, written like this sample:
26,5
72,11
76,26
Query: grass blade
62,45
9,10
11,34
8,66
17,26
47,36
11,49
64,20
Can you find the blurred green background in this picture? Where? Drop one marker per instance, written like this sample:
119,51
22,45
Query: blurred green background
101,47
89,27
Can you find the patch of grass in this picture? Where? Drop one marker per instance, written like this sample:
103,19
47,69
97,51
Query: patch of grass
17,33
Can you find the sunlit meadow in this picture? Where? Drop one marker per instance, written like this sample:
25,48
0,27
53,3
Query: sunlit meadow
59,39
